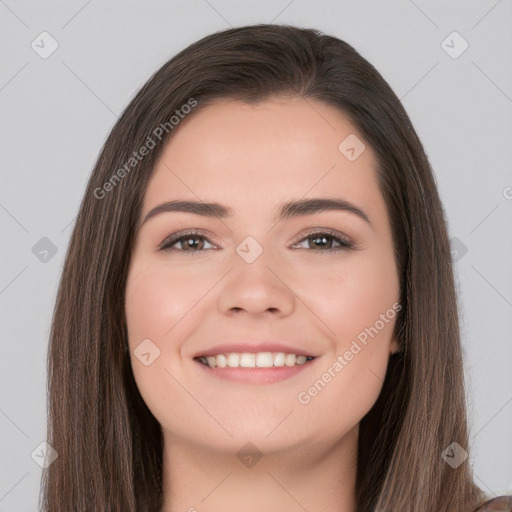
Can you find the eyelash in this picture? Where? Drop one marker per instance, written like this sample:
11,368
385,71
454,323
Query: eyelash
345,244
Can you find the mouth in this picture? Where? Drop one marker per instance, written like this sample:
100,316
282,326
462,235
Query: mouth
259,360
254,368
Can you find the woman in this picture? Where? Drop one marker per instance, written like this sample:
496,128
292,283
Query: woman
304,351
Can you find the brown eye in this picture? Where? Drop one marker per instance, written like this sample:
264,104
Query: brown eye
323,242
190,242
194,242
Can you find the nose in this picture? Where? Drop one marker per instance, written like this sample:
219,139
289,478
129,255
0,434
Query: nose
262,286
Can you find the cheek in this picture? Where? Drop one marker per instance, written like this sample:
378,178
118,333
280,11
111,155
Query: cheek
358,304
160,312
351,295
157,299
159,308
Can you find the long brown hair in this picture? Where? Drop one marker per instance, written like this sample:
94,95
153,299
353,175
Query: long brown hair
109,444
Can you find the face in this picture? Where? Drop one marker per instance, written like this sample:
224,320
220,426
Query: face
319,282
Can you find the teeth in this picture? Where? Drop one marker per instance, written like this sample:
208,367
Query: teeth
233,360
258,360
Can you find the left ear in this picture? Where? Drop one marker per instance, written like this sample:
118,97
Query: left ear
394,345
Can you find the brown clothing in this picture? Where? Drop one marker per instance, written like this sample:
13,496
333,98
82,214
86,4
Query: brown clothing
498,504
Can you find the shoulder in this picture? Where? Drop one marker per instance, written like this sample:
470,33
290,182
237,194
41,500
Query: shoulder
498,504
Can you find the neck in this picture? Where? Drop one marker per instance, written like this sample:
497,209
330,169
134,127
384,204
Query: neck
313,476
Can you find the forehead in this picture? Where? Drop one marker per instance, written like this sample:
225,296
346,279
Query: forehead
266,152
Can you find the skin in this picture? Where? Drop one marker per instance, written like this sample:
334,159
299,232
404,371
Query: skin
252,159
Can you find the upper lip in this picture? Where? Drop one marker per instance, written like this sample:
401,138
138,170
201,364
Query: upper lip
253,348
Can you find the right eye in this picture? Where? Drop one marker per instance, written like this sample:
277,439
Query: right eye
184,239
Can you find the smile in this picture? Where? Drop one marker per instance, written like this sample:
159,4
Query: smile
251,360
254,368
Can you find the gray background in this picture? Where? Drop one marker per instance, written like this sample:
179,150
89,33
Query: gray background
57,112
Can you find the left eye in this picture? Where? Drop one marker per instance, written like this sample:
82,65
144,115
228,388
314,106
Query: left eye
323,238
189,242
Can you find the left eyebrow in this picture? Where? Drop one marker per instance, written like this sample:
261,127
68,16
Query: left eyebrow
287,210
316,205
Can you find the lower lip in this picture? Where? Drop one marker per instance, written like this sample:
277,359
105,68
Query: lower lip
256,375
